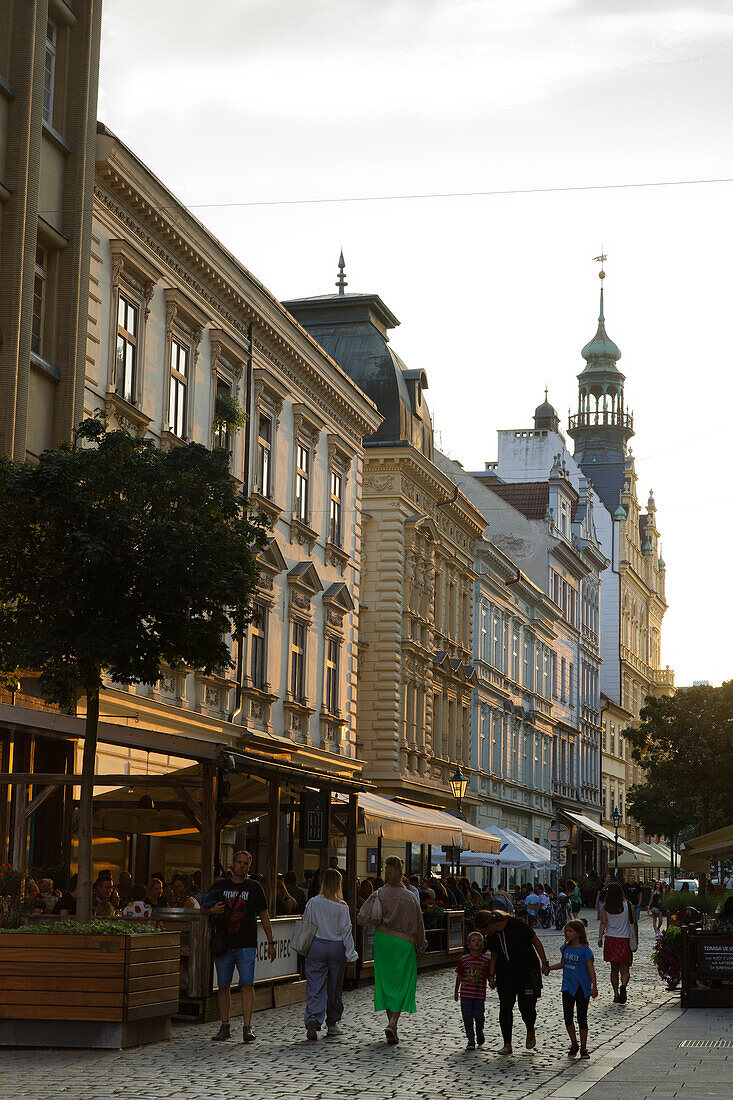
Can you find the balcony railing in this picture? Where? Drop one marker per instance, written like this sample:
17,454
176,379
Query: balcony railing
663,676
612,418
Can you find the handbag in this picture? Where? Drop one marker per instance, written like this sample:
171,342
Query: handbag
633,930
376,915
303,935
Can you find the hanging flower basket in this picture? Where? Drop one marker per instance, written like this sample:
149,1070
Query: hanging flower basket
667,956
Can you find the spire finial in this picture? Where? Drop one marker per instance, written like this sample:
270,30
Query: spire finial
341,282
545,393
601,275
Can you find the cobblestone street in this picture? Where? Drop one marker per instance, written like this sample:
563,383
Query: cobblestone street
429,1063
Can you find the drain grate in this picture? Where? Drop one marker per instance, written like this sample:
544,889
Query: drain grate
710,1044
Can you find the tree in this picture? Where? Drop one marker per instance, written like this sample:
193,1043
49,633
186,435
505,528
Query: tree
117,557
684,744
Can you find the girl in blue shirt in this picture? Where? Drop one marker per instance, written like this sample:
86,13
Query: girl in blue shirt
578,984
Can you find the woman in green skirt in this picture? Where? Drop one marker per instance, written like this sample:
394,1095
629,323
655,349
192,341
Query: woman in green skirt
399,936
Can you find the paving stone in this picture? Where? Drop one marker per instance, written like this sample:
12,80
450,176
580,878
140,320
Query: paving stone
430,1062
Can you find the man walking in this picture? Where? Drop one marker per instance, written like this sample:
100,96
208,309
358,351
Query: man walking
632,890
238,900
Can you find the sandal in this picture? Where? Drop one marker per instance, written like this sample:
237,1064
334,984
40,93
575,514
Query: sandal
391,1036
584,1052
574,1048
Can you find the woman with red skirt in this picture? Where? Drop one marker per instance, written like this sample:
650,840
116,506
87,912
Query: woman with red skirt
619,927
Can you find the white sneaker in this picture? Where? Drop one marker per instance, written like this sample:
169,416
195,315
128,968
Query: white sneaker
333,1029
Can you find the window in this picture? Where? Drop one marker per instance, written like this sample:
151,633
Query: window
258,646
264,456
177,400
571,671
564,517
562,678
554,675
302,466
332,676
127,326
334,514
49,74
297,661
515,658
39,300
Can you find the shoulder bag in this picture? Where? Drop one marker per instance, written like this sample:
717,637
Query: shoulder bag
303,935
376,916
633,929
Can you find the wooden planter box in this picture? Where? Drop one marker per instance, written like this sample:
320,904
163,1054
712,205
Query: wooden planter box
87,991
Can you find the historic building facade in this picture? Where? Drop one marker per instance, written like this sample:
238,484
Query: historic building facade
632,603
561,557
416,672
176,323
614,763
49,62
181,339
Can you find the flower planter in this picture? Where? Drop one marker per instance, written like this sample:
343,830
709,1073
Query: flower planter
109,991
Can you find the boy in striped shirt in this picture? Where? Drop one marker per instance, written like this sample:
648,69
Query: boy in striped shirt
471,974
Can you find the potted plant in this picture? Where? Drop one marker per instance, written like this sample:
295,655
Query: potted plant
229,415
109,983
17,891
667,956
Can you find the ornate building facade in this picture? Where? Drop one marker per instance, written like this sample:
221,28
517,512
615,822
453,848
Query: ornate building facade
416,677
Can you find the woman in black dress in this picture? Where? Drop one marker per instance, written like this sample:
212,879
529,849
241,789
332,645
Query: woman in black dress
517,962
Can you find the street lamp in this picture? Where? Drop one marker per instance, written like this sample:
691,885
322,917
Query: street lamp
458,784
616,819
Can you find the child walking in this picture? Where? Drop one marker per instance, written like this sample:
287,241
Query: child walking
471,974
578,984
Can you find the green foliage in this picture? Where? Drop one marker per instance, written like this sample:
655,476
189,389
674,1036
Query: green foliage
667,955
684,744
96,927
674,901
118,556
228,413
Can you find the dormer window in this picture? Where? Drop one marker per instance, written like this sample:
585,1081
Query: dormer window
565,518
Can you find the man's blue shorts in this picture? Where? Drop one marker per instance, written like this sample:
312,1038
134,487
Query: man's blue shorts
244,960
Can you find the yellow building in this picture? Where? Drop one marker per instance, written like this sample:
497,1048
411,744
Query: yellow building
416,675
49,61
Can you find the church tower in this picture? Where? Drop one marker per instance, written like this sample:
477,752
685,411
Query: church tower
602,426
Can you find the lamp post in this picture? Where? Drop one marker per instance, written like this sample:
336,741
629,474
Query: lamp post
616,819
458,785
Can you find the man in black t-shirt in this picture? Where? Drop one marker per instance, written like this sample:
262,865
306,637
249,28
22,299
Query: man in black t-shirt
632,890
237,902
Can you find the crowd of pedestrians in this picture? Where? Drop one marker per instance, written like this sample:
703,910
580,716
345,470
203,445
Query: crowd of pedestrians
124,898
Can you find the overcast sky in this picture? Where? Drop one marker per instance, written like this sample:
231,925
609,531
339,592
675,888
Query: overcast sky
242,101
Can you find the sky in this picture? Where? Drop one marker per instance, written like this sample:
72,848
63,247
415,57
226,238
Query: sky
237,102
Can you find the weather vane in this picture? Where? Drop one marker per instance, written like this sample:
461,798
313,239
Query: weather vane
601,260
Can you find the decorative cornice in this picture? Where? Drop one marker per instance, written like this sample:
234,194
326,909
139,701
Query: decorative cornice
218,292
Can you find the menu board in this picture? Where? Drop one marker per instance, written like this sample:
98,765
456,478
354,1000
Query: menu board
716,957
455,923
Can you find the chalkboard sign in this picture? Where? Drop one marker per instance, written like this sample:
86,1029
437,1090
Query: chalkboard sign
455,930
314,819
716,958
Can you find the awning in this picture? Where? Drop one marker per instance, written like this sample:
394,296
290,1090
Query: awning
604,835
421,824
515,851
698,852
658,856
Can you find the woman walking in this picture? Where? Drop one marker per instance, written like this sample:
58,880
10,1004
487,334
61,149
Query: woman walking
576,898
655,907
399,936
618,925
517,960
325,963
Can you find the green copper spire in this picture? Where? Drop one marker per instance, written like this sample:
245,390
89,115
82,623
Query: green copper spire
601,353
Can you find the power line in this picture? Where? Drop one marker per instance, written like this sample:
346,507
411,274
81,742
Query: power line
444,194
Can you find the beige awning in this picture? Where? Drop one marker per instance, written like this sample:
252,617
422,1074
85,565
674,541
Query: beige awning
698,852
605,835
422,825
